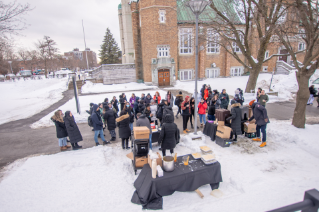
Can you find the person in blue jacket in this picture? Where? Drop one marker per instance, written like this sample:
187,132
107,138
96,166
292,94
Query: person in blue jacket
98,125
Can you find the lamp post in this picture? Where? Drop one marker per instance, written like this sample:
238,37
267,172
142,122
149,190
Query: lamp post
10,66
197,7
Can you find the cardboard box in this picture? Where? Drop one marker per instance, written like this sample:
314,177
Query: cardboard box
159,160
139,161
141,133
221,123
250,128
223,132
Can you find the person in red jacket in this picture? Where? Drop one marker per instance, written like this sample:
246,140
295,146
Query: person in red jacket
157,98
202,106
206,93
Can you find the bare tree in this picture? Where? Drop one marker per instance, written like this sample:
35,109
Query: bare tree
24,56
47,51
259,18
303,29
34,59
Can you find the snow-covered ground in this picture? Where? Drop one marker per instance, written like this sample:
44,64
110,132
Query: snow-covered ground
85,105
101,178
22,99
90,87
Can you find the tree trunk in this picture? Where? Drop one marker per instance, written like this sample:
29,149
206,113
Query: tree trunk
252,81
299,119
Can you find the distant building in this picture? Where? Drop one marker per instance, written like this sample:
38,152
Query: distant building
81,55
125,21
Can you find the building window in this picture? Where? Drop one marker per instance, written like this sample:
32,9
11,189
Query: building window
235,46
162,17
265,68
302,33
212,73
301,46
212,43
236,71
186,75
266,54
186,40
282,15
163,51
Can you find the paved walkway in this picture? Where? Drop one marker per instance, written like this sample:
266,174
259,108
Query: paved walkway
18,140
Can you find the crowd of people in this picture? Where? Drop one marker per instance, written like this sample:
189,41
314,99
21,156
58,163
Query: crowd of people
154,110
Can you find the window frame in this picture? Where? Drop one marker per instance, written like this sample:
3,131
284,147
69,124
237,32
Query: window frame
189,75
239,73
235,46
265,67
189,36
212,71
212,46
162,16
266,54
163,51
303,45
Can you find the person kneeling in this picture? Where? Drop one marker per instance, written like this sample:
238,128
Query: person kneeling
169,135
123,122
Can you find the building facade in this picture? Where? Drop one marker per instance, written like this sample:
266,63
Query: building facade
164,45
81,56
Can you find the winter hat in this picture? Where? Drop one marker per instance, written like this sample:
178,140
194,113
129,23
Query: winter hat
251,103
233,102
180,92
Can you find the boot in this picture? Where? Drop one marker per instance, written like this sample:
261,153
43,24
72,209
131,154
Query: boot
192,126
185,132
201,125
63,148
127,147
67,140
123,145
263,144
113,139
68,146
106,142
73,146
256,139
97,144
77,145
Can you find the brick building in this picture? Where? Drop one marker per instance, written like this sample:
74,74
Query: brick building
81,56
164,47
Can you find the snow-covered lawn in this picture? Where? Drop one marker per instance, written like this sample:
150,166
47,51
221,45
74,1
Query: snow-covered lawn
85,105
90,87
22,99
101,178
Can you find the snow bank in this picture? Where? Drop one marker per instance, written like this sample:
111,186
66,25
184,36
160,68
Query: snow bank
85,105
101,178
90,87
22,99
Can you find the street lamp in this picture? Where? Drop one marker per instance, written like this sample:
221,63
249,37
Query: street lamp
10,66
197,7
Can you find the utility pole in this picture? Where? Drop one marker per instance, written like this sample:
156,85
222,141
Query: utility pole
87,62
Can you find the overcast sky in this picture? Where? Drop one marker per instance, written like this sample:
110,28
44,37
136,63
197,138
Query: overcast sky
62,21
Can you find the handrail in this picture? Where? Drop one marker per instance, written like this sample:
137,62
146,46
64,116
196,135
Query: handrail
309,204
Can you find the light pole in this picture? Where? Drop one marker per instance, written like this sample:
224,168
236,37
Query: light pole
197,7
10,66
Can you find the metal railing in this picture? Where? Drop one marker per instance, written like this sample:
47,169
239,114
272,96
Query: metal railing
309,204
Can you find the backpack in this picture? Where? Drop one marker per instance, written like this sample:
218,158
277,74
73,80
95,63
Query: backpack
90,122
177,101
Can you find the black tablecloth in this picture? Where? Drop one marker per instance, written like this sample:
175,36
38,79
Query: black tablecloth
210,130
149,191
155,136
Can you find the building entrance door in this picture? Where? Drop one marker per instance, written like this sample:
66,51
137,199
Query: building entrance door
163,77
283,58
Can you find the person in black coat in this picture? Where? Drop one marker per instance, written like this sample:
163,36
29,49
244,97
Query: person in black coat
148,99
98,125
160,110
236,119
141,106
202,90
136,107
123,123
167,110
148,113
169,135
130,112
73,130
109,117
115,104
105,103
61,132
123,100
313,92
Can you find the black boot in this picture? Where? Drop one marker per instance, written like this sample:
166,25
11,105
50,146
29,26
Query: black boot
113,139
96,144
106,142
73,146
123,144
77,145
127,147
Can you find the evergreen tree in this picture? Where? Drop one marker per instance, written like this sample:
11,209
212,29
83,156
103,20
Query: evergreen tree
109,53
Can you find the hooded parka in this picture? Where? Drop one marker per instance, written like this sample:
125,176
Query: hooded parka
169,133
72,128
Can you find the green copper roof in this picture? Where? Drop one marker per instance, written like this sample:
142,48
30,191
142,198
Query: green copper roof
185,15
120,6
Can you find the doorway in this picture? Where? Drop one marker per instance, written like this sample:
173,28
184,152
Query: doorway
163,77
285,57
